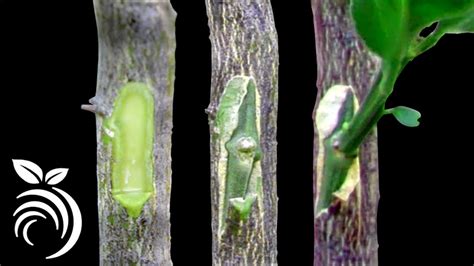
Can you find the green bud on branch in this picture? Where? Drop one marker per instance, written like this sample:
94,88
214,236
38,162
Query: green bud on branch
130,131
237,128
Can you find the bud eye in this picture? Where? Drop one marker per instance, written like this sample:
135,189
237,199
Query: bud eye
246,145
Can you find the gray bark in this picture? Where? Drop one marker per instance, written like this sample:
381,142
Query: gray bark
244,42
347,235
136,43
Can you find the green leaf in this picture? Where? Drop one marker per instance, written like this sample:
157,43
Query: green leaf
381,23
463,24
391,28
425,12
405,115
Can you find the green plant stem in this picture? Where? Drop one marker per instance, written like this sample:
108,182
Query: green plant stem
373,107
370,112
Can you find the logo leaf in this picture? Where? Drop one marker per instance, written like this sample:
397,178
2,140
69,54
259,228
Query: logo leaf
55,176
28,171
405,115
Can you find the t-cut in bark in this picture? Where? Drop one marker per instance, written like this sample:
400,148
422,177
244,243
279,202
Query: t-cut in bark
244,44
347,234
136,46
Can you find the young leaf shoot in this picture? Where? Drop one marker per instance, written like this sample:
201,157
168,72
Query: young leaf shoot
391,29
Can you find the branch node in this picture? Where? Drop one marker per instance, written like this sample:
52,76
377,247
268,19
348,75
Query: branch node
90,107
211,111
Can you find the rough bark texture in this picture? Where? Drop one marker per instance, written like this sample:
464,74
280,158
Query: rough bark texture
347,235
136,43
244,42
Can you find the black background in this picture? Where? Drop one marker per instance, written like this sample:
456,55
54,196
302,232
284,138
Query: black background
48,59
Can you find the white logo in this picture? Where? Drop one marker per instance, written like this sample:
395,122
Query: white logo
32,174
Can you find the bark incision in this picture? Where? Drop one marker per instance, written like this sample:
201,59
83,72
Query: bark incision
136,44
347,234
244,42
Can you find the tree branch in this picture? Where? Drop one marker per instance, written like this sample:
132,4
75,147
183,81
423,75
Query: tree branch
136,44
347,233
244,42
